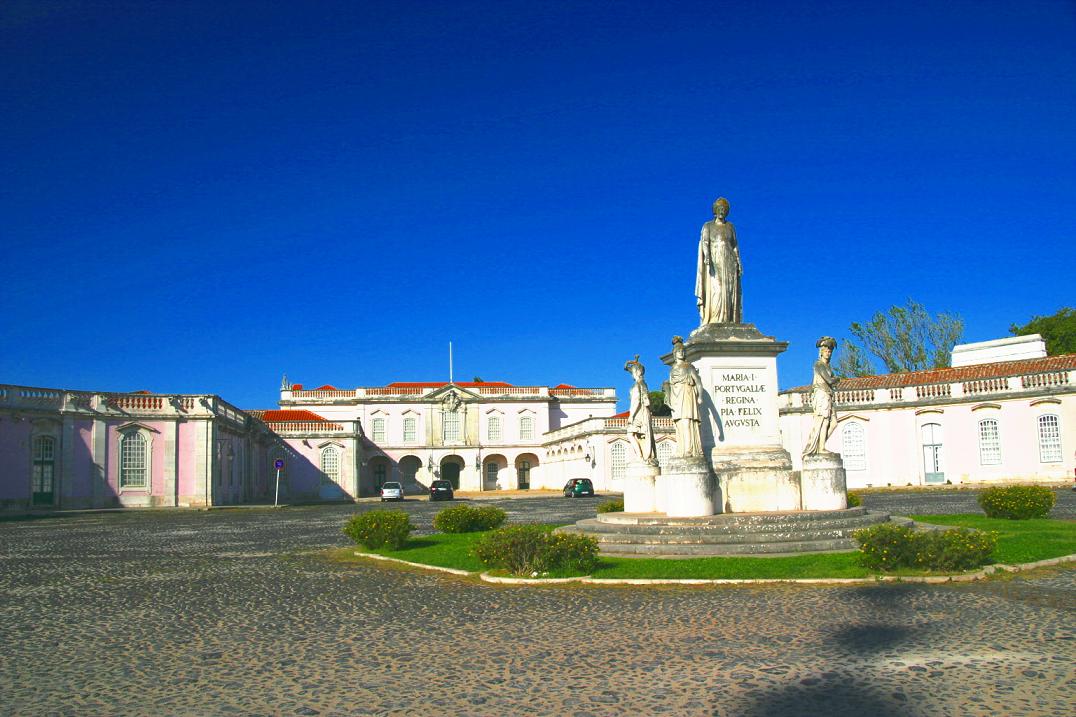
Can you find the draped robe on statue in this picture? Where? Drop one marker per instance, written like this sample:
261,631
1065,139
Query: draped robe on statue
717,281
682,396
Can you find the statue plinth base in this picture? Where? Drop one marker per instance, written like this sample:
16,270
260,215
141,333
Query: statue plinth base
756,479
639,495
823,483
688,488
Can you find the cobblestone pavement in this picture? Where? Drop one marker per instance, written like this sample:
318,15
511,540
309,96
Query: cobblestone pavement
231,612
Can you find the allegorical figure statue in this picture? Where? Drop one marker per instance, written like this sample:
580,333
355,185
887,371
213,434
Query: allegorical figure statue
822,387
717,280
683,393
640,428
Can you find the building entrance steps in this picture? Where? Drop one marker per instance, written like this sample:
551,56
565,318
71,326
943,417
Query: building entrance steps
727,534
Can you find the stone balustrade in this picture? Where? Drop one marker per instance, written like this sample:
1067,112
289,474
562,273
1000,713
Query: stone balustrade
801,398
412,391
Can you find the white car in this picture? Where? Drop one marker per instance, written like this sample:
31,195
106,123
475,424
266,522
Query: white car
391,491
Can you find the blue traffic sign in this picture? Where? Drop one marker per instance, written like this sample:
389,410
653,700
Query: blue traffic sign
278,463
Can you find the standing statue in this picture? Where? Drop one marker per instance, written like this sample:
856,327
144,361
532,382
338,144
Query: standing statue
640,428
683,394
717,280
822,387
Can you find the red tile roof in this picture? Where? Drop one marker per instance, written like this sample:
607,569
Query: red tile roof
620,415
284,415
1049,364
297,387
438,384
564,385
327,387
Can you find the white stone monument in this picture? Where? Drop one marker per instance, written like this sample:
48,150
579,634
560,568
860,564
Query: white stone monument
642,469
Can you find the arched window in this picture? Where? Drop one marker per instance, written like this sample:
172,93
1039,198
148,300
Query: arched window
491,473
44,454
330,464
526,428
989,442
618,460
410,431
1049,439
854,446
665,451
134,466
379,430
493,429
452,426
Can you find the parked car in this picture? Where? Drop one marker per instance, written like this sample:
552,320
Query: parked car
578,487
441,490
391,491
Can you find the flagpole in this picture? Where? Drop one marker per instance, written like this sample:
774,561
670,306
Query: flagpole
450,362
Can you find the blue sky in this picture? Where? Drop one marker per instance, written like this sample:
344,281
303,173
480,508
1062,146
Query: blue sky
195,197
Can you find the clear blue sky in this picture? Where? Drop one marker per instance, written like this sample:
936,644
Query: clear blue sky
197,196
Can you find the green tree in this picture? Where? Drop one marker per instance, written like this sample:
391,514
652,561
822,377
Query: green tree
1059,330
908,338
853,361
657,404
477,379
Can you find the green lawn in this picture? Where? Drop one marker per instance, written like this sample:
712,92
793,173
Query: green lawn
1019,541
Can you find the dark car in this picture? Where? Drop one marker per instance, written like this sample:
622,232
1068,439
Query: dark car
441,490
578,487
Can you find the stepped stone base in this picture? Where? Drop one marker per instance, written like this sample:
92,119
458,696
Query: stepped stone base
650,535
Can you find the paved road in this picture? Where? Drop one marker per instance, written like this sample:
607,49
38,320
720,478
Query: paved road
230,612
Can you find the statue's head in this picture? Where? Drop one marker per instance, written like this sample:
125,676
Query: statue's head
721,207
678,348
635,368
825,345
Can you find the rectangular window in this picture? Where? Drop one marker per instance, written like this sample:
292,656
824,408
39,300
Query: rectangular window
379,430
526,428
989,443
493,429
330,465
452,426
854,447
1049,439
133,464
409,429
618,461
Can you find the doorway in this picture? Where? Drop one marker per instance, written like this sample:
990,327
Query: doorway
933,469
450,471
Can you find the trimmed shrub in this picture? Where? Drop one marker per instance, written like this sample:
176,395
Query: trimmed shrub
378,528
531,549
854,501
465,519
1018,502
616,505
888,547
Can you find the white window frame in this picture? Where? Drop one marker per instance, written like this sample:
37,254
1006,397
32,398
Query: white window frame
129,434
526,427
1049,445
492,472
665,450
989,446
410,429
451,419
494,432
854,446
38,462
618,460
330,470
377,429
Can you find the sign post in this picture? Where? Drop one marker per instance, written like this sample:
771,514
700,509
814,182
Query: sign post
279,465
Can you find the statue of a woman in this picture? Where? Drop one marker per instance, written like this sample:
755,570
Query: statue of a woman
682,394
822,386
717,280
640,430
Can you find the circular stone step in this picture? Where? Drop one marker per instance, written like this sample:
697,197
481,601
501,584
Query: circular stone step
648,534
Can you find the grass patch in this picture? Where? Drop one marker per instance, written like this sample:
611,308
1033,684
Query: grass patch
1019,541
445,550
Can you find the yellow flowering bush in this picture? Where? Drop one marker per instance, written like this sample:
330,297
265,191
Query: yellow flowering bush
888,547
616,505
854,501
378,528
1017,502
532,550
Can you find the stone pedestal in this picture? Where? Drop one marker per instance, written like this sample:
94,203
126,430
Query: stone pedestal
740,428
822,482
639,495
690,488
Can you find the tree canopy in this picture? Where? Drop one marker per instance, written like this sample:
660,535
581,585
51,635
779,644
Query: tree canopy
903,338
1059,330
657,404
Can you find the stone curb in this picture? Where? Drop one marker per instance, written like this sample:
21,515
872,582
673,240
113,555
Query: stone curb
589,580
